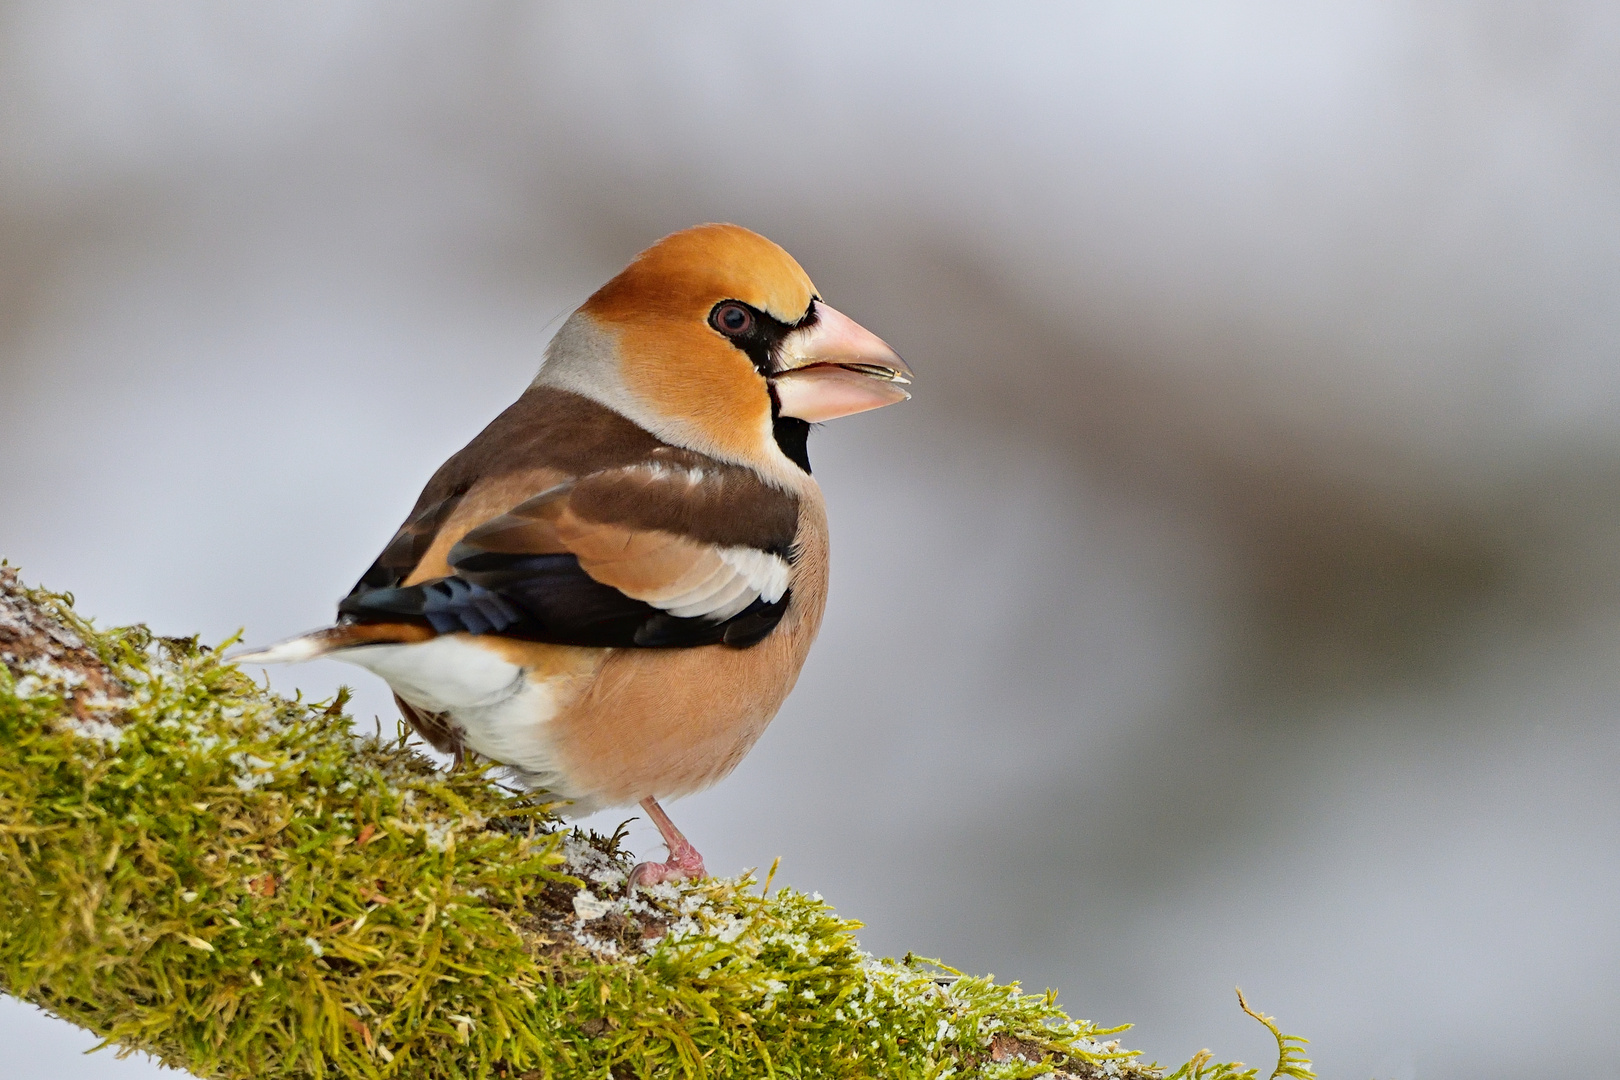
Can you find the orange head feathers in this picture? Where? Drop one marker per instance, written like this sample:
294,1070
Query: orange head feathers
715,339
692,270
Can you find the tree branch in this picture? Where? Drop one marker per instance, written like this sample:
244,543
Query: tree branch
235,883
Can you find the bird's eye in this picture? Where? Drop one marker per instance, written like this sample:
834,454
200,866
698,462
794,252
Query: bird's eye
732,320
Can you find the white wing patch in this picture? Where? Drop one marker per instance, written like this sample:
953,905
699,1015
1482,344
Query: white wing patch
767,574
744,575
664,470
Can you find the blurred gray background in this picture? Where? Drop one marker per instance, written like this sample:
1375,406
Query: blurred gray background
1236,603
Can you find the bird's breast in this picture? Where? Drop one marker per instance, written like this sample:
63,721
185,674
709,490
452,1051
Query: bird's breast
668,722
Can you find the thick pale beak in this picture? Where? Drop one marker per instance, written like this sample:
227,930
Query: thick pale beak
836,367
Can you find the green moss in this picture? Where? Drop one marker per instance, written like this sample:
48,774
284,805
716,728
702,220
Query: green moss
235,883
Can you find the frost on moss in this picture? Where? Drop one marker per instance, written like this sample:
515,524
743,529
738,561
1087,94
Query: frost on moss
235,883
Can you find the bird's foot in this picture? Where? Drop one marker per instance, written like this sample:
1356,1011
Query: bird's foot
684,863
682,866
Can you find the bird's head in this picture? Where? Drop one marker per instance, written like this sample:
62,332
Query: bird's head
715,339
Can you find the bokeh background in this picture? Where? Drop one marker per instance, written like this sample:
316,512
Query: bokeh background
1236,602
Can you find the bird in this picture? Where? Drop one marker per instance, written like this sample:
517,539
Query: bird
611,590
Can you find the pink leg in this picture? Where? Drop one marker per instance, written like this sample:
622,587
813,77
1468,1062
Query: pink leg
684,860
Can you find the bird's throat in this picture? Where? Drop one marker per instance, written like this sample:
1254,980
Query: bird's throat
793,437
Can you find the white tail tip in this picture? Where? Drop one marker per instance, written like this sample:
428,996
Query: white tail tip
304,647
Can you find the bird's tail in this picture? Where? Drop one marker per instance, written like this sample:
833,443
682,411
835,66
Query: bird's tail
318,643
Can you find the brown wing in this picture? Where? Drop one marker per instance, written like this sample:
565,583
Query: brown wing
667,549
601,519
545,436
549,436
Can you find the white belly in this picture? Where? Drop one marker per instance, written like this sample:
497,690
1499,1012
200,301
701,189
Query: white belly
501,711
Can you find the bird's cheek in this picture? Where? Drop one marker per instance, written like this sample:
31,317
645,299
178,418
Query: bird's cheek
826,392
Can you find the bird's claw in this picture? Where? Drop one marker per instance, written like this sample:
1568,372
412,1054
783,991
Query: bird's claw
684,865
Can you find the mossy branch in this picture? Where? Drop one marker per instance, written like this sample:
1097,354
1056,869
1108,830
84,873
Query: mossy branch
235,883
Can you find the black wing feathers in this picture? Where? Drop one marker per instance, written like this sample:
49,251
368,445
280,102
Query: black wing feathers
549,598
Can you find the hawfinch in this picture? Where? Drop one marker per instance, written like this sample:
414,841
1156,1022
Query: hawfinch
612,588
